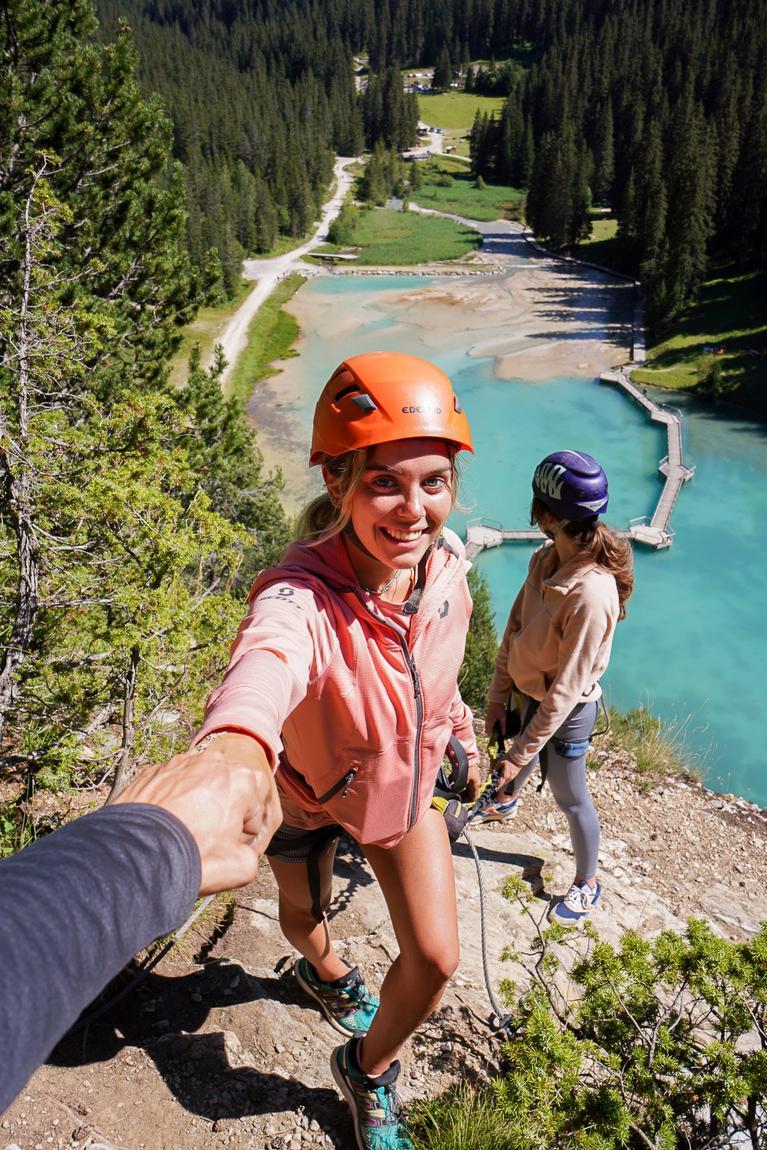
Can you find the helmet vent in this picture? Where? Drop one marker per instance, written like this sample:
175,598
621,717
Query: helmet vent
363,401
456,405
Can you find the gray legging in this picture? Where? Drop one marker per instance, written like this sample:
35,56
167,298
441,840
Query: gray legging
565,758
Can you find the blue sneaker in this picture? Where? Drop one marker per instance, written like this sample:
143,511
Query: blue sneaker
493,812
346,1002
489,808
379,1123
576,905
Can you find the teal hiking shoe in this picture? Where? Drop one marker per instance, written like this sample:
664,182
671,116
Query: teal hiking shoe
346,1002
379,1123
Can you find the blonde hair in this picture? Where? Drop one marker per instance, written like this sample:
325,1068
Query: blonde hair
329,514
603,546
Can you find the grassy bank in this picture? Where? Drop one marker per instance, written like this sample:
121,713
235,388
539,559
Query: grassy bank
723,335
448,187
206,329
657,746
271,336
385,236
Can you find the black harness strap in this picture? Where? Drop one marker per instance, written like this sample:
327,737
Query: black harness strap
453,782
316,842
515,726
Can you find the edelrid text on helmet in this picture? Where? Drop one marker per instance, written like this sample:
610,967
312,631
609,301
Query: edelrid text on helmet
380,397
571,484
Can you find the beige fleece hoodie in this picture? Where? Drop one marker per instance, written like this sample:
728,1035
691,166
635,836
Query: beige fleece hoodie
556,644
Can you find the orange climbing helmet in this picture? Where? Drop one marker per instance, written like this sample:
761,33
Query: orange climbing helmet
382,396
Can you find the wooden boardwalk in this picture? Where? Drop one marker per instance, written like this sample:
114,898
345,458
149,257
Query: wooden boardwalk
657,533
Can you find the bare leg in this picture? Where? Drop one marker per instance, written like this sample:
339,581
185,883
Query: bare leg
418,884
297,920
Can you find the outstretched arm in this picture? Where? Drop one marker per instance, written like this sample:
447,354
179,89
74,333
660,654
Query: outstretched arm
225,795
78,904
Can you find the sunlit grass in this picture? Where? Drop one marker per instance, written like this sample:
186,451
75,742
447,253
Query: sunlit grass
658,746
600,247
456,110
385,236
468,1121
462,196
271,336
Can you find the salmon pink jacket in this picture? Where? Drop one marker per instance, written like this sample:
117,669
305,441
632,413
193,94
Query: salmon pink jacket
354,710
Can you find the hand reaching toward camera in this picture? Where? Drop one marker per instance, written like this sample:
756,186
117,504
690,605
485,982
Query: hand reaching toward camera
225,796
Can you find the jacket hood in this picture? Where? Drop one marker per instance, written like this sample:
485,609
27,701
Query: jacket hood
329,564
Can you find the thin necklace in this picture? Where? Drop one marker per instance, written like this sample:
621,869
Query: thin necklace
384,586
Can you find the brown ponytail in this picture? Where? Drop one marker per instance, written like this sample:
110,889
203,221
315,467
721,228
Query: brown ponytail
597,542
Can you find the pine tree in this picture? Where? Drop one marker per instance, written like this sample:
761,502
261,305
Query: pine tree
604,157
481,645
443,71
116,561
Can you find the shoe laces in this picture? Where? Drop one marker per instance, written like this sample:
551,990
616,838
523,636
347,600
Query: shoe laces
486,796
579,897
383,1110
348,998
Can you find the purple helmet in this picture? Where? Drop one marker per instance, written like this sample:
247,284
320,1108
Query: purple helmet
571,484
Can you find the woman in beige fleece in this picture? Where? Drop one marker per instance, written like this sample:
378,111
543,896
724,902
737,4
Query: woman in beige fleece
555,649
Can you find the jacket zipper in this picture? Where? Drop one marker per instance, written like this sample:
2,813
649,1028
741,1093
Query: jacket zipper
418,725
410,662
343,785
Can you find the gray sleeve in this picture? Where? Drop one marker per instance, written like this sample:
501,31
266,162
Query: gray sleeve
74,909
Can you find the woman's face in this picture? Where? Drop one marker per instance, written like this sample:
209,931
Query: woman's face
401,504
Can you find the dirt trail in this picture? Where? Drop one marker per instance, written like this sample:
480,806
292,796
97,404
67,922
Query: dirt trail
267,273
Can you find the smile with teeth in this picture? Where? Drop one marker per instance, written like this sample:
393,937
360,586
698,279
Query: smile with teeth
402,536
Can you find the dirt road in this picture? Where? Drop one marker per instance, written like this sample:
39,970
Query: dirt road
267,273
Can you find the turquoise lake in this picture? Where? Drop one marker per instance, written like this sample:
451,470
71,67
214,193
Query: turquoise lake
693,646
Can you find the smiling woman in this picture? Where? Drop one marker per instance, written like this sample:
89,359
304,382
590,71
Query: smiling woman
344,678
397,512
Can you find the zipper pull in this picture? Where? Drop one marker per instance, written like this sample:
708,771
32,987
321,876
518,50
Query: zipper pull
416,679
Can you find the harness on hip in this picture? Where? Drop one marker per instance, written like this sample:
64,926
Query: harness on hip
315,843
451,783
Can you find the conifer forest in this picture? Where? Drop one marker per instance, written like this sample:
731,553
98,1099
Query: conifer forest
657,109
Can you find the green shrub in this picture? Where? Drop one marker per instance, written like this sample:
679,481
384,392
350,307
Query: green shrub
16,829
481,645
648,1045
342,227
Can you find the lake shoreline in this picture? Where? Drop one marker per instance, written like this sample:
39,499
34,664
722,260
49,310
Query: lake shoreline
535,317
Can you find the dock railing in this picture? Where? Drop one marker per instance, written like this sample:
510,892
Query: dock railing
653,531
